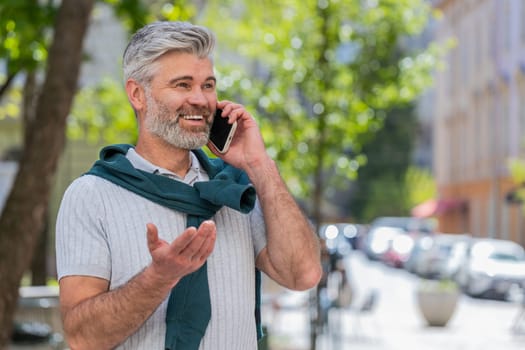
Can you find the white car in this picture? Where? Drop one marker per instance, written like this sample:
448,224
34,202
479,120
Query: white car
493,268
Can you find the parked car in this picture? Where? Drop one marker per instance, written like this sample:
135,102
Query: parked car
421,245
398,250
439,256
379,243
379,239
341,237
493,268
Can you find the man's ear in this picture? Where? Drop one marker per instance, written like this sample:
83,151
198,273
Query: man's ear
136,94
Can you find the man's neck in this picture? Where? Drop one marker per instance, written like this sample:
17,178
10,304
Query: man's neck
166,156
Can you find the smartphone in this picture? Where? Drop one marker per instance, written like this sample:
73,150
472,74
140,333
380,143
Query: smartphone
221,133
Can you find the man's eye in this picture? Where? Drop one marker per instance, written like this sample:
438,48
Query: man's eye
209,86
183,85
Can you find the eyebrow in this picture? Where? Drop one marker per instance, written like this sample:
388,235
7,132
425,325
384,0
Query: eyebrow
189,77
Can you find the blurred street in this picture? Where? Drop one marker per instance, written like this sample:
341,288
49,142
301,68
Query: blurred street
394,322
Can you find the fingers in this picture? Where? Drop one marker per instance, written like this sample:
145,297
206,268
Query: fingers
185,254
233,110
196,244
209,231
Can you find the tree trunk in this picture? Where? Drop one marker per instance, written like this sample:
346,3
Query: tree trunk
39,263
319,185
24,213
317,199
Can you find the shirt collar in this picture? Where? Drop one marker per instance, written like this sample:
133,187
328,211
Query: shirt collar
195,173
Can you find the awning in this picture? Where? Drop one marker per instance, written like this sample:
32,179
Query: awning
433,207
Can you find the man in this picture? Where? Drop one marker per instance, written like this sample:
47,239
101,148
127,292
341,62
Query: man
152,250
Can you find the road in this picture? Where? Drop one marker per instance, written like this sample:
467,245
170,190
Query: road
395,321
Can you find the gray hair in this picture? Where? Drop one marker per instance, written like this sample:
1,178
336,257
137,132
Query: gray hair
159,38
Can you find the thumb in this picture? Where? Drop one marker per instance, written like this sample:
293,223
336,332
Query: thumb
152,234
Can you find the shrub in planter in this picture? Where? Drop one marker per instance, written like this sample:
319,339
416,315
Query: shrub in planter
437,301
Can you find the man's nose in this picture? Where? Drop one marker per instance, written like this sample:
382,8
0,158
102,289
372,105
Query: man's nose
197,97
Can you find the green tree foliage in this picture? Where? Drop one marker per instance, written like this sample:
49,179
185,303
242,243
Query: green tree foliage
102,113
419,186
10,103
378,189
24,34
319,76
388,184
24,38
135,13
517,171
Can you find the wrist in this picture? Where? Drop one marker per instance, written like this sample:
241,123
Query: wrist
267,180
260,168
156,279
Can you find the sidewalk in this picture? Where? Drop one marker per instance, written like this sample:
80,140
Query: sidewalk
394,323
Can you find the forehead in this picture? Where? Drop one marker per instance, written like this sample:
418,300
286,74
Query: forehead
175,64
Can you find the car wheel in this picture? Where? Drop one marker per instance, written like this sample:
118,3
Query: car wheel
468,289
514,293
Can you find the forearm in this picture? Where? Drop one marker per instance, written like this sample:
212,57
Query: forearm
107,319
292,248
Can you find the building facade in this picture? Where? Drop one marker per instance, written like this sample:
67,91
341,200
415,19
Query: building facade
479,120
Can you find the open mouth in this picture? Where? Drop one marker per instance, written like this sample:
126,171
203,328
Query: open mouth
192,117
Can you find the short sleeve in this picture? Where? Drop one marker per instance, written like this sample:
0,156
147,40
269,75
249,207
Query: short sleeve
81,242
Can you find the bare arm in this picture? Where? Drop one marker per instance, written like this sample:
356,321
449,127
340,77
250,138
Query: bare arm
292,255
96,318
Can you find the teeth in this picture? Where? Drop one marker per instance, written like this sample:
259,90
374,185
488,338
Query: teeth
193,117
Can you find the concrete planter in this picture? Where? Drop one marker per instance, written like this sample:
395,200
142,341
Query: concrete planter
437,301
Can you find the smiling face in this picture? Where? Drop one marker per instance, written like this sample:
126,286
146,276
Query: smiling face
179,103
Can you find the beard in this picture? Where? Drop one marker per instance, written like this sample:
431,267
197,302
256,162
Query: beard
164,123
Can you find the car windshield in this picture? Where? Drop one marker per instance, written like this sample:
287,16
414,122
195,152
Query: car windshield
500,252
504,257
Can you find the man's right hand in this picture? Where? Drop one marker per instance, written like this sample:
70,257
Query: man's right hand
185,254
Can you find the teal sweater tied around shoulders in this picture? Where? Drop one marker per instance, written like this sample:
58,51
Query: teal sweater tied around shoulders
189,306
